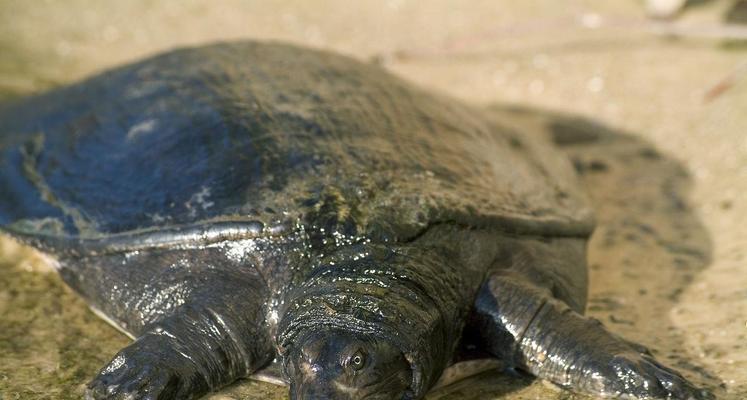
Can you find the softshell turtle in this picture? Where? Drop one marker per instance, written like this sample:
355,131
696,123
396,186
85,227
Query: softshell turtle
239,204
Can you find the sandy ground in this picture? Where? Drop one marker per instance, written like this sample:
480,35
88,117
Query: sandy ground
668,260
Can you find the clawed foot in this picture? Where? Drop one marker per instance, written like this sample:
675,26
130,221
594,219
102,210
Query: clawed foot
640,376
145,370
146,383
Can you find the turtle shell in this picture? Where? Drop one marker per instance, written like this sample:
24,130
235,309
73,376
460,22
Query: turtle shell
254,138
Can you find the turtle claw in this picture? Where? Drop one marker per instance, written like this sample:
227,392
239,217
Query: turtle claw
133,383
141,372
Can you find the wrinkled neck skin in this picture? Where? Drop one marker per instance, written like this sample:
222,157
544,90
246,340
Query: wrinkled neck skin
414,296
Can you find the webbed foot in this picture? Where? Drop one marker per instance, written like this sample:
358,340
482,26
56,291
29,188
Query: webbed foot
542,335
639,375
148,369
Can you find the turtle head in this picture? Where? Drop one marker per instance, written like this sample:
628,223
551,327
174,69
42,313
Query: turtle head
371,323
336,364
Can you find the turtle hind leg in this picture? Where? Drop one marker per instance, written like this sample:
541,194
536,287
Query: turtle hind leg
522,320
198,320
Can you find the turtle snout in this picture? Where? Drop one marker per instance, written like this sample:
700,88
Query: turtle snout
316,392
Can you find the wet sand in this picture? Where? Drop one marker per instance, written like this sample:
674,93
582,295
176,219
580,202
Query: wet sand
667,174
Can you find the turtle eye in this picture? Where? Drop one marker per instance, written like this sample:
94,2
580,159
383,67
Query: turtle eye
357,361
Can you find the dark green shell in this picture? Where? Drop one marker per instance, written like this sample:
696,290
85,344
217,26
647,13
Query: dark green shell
249,138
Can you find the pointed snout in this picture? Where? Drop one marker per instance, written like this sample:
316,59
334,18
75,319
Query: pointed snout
316,392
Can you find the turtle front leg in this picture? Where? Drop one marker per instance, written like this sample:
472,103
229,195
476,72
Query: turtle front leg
530,329
197,350
199,322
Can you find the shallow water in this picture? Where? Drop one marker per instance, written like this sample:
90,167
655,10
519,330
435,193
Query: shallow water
667,261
